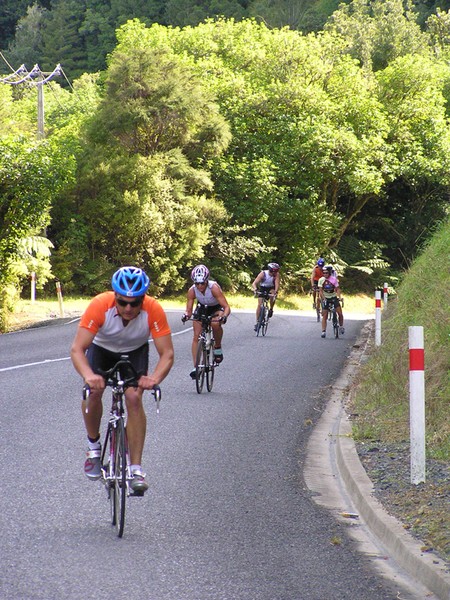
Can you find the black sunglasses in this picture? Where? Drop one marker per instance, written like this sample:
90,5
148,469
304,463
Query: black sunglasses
132,303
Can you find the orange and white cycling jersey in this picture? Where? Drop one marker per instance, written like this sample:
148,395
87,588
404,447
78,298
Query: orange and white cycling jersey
102,319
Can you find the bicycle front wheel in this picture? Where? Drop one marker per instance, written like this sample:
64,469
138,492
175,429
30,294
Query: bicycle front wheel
210,367
265,323
261,319
200,367
335,325
119,490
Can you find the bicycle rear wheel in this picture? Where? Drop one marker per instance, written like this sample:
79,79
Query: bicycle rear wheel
210,367
119,490
200,367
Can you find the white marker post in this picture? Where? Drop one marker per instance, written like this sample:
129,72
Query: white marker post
60,299
377,318
33,287
417,403
385,295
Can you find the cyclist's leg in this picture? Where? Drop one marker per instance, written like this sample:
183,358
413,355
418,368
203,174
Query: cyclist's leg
136,417
197,326
218,334
258,308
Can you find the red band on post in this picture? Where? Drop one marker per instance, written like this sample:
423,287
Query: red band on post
378,303
416,359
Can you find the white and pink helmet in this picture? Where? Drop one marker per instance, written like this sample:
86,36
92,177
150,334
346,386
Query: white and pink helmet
200,274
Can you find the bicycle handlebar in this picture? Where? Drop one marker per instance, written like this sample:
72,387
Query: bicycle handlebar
113,377
206,319
259,294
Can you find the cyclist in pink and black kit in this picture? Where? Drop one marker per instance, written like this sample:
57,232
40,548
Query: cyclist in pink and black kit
115,323
330,296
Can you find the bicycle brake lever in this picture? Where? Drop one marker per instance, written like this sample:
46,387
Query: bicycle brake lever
156,391
86,393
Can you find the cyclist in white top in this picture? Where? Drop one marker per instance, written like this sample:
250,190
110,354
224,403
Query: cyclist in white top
211,302
268,281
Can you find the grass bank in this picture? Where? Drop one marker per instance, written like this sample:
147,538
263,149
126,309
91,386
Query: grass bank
380,399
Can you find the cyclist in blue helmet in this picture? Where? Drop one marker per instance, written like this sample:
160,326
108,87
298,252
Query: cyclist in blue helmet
114,323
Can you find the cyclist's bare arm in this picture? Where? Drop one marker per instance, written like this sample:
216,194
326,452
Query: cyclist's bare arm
164,347
219,296
82,341
257,281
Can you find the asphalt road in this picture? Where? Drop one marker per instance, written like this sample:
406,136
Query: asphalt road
227,515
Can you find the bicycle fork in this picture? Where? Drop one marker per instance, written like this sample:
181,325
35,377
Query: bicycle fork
109,469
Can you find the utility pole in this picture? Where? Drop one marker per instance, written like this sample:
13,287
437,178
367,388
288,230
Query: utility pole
40,110
23,76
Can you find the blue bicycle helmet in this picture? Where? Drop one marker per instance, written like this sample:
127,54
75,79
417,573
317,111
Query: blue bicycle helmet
130,281
321,262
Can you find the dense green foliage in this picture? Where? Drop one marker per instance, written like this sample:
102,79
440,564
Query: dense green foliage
228,141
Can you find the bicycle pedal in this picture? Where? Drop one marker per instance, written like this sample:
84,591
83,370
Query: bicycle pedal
140,494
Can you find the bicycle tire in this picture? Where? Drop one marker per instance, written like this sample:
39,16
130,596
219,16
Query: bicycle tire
260,320
200,367
120,477
335,325
210,367
265,323
108,455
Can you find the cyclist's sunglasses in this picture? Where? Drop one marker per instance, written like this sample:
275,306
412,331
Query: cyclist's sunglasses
326,273
132,303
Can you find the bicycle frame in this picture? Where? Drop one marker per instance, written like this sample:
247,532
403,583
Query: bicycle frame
263,319
115,460
205,364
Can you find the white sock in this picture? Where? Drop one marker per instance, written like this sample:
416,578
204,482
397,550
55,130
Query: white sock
135,468
94,445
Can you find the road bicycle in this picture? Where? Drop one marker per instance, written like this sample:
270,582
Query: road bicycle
115,460
334,317
263,320
205,364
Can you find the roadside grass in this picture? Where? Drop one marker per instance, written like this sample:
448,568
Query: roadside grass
381,396
26,312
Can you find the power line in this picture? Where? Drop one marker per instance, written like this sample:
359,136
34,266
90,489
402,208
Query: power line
34,78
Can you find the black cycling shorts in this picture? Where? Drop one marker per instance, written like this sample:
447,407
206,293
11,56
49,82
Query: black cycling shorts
100,358
330,302
202,309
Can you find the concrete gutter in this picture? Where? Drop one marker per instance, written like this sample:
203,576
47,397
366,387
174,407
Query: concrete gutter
335,474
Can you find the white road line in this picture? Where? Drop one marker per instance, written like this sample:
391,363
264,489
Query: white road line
51,360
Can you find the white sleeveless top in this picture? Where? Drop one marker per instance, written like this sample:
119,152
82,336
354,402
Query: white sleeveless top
207,299
268,280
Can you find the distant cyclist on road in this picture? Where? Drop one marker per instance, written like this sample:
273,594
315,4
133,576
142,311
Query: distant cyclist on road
210,302
330,295
268,281
114,323
316,274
